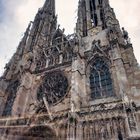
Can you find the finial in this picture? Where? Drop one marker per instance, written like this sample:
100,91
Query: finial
125,35
58,26
63,30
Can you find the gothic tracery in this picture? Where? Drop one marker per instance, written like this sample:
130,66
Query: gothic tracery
83,86
54,87
100,79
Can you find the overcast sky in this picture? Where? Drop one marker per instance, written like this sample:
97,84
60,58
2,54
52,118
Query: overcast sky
16,14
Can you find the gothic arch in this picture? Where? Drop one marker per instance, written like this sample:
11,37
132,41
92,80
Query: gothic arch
55,54
51,60
41,132
97,51
99,55
65,56
99,77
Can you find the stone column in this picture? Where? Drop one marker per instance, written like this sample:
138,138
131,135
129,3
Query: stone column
79,132
98,13
3,95
121,77
77,84
115,81
23,93
88,14
108,129
60,58
120,71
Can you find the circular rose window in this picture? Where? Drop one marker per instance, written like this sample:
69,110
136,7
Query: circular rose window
53,88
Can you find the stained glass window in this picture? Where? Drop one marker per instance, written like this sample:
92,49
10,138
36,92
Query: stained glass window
54,88
100,80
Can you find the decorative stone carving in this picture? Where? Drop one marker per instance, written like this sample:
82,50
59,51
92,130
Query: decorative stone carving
54,88
58,74
112,34
125,36
27,81
27,61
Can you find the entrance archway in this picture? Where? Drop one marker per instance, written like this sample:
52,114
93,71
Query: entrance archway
40,133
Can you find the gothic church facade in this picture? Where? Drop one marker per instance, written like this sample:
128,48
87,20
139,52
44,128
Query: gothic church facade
84,86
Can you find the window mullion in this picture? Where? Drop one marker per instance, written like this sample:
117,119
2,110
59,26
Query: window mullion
100,83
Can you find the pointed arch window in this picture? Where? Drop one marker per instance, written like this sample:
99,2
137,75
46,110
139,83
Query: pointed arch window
100,80
100,1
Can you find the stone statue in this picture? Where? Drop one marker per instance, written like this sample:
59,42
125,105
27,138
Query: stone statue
125,35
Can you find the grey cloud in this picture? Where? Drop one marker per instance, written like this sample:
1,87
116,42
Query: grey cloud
11,29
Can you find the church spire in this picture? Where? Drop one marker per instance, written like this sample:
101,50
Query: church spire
44,25
50,6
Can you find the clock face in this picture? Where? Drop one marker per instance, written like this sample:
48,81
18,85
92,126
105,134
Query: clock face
53,88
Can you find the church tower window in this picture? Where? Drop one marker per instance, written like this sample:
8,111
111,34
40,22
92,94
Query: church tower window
100,80
93,12
100,2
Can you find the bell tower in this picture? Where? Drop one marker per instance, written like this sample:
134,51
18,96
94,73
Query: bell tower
95,15
108,59
96,10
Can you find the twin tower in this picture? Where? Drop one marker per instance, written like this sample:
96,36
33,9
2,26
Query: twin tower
84,86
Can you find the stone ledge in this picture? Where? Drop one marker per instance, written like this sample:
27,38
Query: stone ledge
134,137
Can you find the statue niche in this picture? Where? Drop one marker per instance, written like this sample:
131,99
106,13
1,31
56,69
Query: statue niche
41,133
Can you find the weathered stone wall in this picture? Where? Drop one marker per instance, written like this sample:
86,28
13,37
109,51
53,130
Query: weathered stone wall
46,51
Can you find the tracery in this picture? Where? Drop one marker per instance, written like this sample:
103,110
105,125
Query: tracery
54,87
100,79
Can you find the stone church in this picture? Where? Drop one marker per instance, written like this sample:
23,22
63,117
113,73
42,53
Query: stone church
83,86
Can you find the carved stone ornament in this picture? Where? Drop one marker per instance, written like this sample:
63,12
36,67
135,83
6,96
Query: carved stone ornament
54,88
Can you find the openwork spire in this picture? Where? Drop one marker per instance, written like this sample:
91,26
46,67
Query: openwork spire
50,6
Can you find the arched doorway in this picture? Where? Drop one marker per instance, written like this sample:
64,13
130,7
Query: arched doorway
40,133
